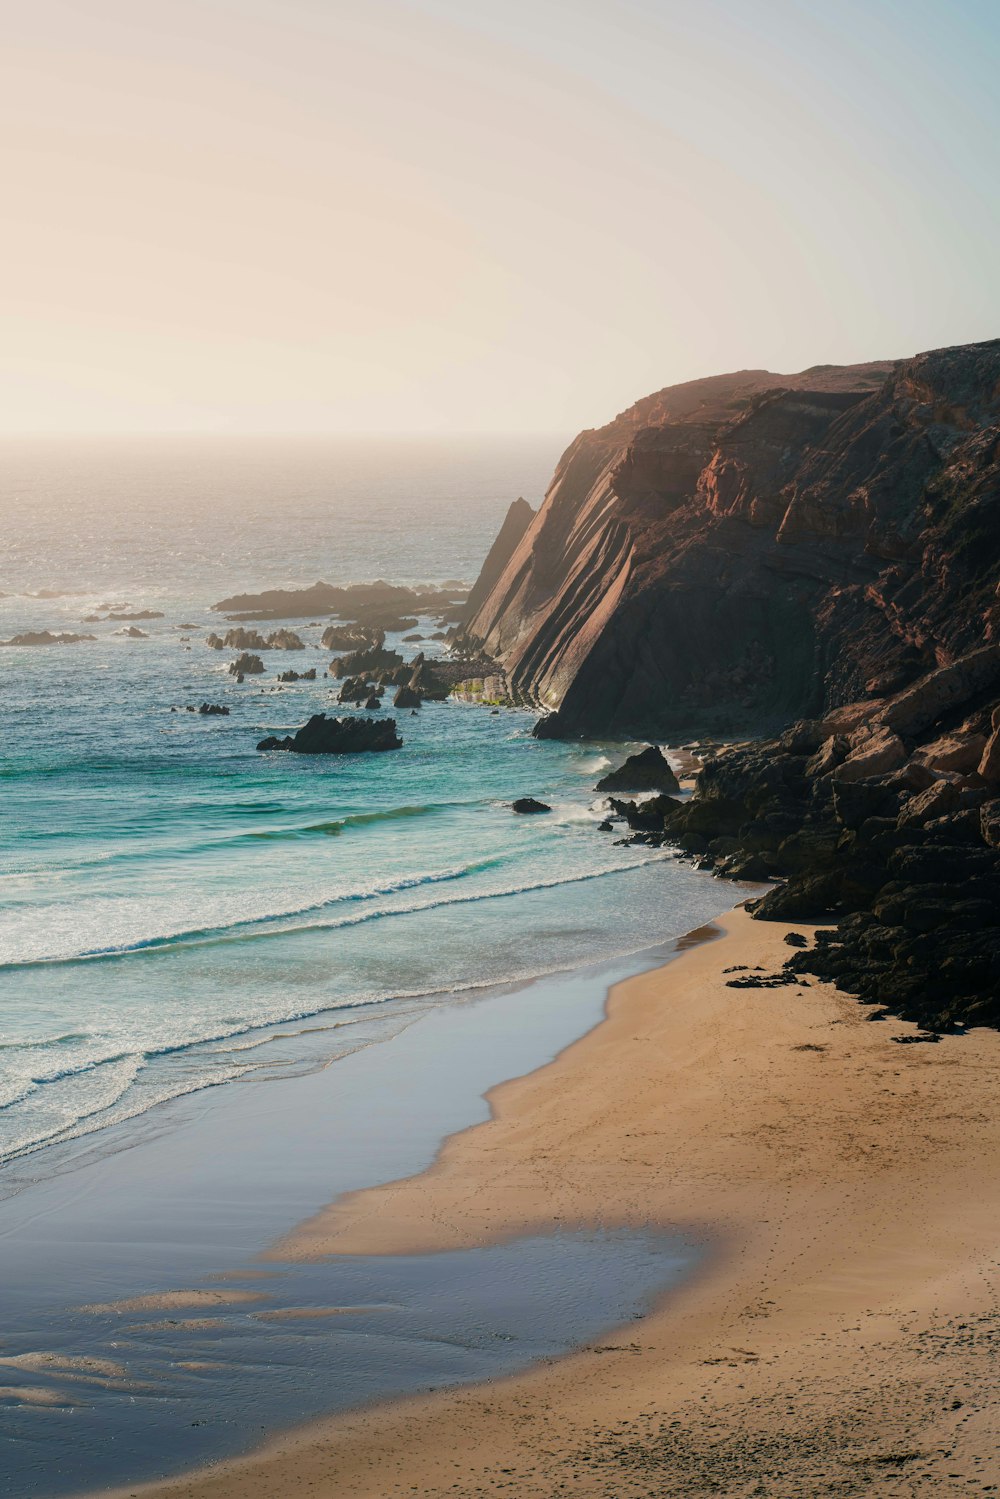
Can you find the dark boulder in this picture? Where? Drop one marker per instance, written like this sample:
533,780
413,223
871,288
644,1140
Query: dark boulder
407,697
354,690
368,659
650,816
529,806
647,771
338,736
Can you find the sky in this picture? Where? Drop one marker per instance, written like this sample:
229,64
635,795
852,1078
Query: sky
364,216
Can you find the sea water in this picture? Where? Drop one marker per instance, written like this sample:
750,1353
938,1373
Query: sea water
169,896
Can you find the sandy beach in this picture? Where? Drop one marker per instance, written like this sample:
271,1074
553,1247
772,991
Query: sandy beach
841,1336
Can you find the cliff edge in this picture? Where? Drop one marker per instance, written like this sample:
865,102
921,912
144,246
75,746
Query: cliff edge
736,552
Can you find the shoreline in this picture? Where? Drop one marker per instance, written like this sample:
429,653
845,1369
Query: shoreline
142,1261
836,1340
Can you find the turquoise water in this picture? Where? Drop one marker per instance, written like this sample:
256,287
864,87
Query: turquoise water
169,895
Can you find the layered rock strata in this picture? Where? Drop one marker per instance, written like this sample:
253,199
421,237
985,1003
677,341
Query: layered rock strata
736,552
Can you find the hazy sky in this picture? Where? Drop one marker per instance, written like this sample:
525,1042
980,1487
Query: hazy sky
410,215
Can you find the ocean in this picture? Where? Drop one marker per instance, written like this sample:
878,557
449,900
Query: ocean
171,900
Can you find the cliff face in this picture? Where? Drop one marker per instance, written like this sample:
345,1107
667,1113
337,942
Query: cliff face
517,520
734,553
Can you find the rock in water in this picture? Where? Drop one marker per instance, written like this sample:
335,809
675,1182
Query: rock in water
351,638
46,637
406,697
338,736
246,665
528,805
284,640
648,771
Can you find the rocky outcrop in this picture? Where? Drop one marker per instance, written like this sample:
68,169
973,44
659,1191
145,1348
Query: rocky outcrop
346,638
734,553
527,806
372,605
298,676
355,690
246,665
427,680
47,637
649,770
903,860
338,736
369,659
252,640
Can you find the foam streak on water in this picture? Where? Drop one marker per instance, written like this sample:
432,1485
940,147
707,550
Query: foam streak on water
168,896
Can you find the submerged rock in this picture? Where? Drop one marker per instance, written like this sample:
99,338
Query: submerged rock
338,736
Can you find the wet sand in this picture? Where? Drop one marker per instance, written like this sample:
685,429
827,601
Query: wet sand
842,1336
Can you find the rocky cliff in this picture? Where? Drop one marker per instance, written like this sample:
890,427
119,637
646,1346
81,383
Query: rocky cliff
734,553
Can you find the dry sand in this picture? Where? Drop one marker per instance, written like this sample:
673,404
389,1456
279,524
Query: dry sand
843,1335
